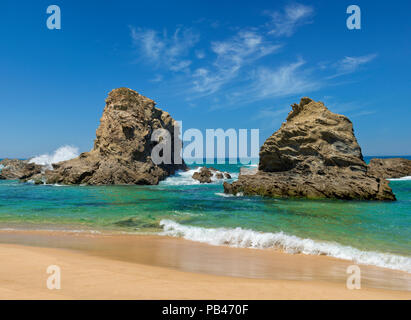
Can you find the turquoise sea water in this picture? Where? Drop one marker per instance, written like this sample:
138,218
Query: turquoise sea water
377,233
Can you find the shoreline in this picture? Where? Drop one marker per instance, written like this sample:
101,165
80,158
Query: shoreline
160,267
287,244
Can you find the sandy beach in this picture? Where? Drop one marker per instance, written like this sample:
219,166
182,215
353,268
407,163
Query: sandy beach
153,267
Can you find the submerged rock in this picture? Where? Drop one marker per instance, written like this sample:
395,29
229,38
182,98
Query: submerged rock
15,169
205,174
123,146
137,223
390,168
314,154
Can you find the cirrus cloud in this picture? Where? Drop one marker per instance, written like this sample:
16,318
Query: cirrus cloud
293,16
164,50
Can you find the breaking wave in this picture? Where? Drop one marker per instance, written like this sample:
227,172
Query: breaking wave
181,178
61,154
245,238
229,195
408,178
184,178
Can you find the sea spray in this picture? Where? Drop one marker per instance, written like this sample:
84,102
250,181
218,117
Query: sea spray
229,195
181,178
245,238
407,178
61,154
184,178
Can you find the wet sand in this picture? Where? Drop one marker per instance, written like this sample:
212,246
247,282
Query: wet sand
152,267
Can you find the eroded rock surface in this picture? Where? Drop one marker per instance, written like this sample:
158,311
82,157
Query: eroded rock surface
122,149
205,175
314,154
15,169
390,168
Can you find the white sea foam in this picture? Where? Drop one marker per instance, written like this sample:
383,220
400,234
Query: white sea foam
225,195
181,178
244,238
61,154
31,181
229,195
184,213
184,178
407,178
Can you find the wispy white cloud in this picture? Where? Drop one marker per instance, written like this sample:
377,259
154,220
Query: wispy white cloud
231,72
163,50
351,64
286,23
200,54
286,80
231,56
157,78
246,46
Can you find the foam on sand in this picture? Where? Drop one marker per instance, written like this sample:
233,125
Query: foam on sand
244,238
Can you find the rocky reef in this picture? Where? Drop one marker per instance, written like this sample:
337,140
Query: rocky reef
314,154
390,168
123,145
205,175
14,169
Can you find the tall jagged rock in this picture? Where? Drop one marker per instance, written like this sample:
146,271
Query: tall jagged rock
314,154
123,145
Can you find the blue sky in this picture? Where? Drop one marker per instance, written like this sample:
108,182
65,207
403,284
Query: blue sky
212,64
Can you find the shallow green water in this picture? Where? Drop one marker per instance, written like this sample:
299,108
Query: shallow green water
345,229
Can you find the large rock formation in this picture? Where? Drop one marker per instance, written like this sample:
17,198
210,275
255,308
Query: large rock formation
390,168
313,155
123,146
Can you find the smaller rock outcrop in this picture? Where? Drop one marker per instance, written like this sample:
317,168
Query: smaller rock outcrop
15,169
205,175
390,168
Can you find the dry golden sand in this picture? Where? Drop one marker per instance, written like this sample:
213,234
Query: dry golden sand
88,273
